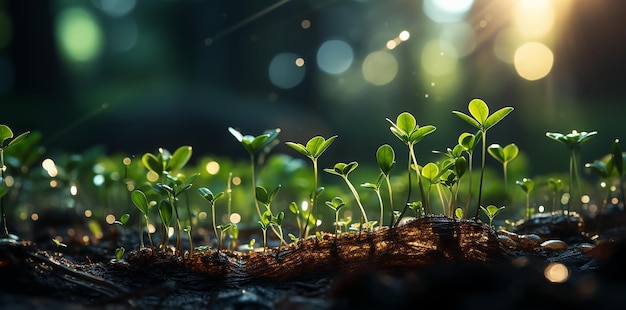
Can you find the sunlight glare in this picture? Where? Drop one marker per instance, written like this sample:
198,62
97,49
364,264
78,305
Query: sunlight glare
379,68
534,18
533,61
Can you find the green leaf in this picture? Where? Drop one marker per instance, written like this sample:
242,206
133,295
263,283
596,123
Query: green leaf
503,154
479,110
430,171
179,159
261,195
141,202
406,123
293,207
299,148
207,194
17,139
124,218
555,184
317,145
421,132
152,163
496,117
526,184
5,133
467,119
459,212
386,158
165,212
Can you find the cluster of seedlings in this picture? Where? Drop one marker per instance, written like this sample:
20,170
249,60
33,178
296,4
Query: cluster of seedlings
440,180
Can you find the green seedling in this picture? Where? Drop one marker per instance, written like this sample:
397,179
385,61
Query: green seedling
554,185
491,211
223,228
208,195
253,145
165,214
313,149
342,170
140,201
504,155
459,213
59,244
6,140
376,188
527,186
265,222
336,204
170,190
386,159
573,141
609,168
468,142
119,252
417,207
454,167
408,131
266,199
304,219
483,121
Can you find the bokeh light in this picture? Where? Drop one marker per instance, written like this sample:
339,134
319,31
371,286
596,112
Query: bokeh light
284,72
438,57
115,8
79,36
446,11
534,18
533,61
379,68
556,272
334,56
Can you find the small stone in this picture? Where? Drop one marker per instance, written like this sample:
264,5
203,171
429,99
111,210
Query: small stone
586,247
530,241
508,242
554,245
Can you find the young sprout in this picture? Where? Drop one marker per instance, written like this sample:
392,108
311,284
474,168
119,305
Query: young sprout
264,223
165,213
376,188
491,211
386,158
342,170
336,204
608,168
208,195
408,131
6,140
140,201
483,121
266,199
554,185
453,168
119,252
468,142
313,149
59,244
223,228
527,186
573,141
504,155
458,213
253,145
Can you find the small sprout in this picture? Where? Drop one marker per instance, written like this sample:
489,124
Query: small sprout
491,211
140,201
336,204
417,207
554,185
527,186
504,155
119,252
459,213
483,121
386,159
59,244
342,170
208,195
409,132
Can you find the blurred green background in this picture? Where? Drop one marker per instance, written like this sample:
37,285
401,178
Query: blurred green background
132,76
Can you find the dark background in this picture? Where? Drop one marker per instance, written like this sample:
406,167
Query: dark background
171,88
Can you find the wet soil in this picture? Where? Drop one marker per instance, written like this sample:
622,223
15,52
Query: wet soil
430,261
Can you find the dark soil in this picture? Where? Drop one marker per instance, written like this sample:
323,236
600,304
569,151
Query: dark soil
431,261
